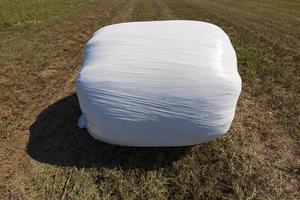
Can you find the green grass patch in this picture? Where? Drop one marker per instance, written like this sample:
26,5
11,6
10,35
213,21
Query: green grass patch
16,12
253,63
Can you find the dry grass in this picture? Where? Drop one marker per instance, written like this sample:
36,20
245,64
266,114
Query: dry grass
17,12
44,156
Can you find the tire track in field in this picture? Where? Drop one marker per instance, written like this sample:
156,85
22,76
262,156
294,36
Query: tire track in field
165,11
148,10
125,15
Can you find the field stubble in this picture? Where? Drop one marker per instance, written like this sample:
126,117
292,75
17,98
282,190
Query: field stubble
44,156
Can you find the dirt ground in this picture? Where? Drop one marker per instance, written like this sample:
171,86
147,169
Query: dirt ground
43,154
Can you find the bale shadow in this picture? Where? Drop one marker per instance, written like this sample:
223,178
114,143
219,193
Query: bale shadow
55,139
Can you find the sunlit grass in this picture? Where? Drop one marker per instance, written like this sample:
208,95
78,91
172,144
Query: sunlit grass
16,12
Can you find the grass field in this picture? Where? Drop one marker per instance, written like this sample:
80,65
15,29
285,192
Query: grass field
44,156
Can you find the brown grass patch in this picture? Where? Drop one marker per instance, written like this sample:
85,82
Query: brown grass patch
44,156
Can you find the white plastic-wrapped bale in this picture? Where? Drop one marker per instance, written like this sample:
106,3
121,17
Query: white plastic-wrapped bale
162,83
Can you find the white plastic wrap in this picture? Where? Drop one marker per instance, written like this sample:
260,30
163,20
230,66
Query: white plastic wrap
162,83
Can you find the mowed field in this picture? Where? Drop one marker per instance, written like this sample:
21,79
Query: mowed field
43,155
